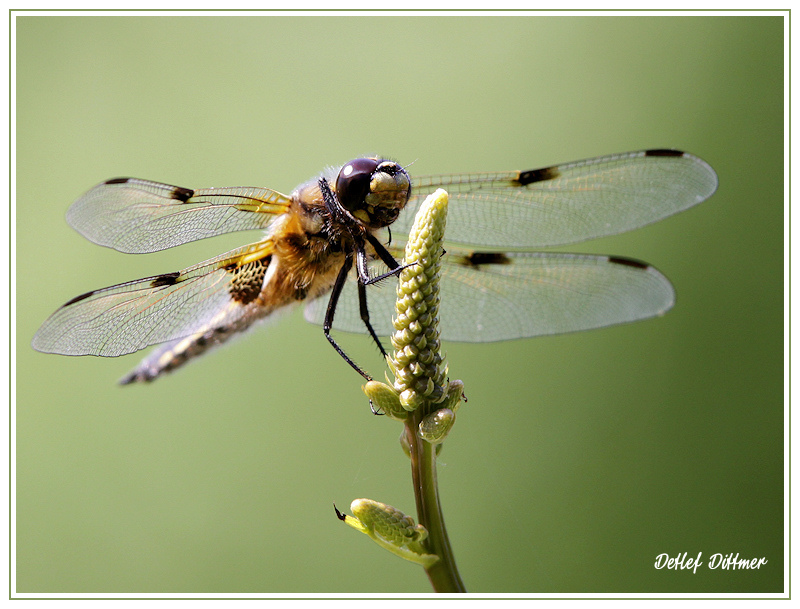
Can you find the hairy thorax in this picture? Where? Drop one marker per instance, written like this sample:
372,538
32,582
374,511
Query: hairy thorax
305,260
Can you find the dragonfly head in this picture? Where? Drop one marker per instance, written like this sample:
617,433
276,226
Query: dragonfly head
373,190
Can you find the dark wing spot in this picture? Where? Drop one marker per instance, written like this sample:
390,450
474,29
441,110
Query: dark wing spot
79,298
247,279
638,264
537,175
663,152
181,194
176,192
165,279
478,258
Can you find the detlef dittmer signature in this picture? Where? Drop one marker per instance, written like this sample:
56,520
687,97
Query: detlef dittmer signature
729,561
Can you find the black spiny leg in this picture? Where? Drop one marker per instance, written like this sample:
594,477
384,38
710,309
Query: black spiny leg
364,312
358,234
384,255
364,280
341,278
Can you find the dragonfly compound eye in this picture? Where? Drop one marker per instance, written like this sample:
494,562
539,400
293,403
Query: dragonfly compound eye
352,184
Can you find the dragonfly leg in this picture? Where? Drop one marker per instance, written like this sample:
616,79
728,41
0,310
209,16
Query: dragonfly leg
364,312
341,278
387,258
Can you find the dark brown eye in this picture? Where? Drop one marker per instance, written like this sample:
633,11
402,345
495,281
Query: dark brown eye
352,184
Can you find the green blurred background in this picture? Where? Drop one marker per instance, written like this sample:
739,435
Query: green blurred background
578,458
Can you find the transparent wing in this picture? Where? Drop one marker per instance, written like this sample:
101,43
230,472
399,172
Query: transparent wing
138,216
565,203
492,297
131,316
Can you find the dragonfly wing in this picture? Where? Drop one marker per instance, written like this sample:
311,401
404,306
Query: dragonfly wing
138,216
131,316
565,203
489,297
492,297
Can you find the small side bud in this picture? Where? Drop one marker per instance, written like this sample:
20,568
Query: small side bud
389,528
435,427
385,399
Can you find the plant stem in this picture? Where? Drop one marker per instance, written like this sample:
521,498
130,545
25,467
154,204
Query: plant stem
443,574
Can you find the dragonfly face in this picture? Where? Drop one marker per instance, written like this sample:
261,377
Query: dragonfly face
329,237
373,190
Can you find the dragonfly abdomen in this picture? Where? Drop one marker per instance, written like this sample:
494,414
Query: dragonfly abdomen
171,355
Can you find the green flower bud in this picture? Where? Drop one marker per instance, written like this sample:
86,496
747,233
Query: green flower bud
391,529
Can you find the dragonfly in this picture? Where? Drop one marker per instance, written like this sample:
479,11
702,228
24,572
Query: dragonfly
336,240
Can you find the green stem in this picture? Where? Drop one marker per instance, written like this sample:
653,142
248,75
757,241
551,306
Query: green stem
443,574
